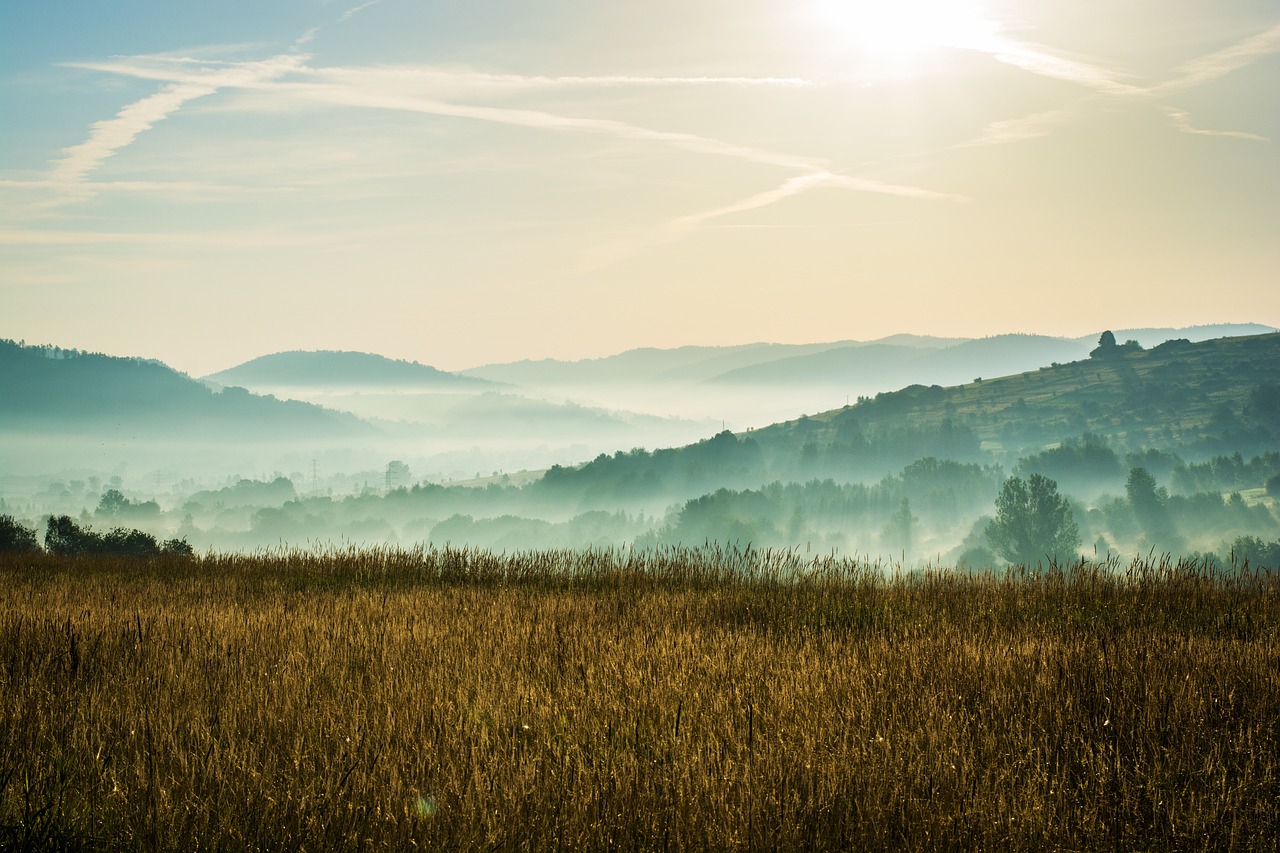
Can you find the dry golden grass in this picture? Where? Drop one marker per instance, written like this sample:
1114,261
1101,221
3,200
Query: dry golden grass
397,700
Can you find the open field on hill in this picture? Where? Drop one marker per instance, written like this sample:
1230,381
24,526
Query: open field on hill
666,700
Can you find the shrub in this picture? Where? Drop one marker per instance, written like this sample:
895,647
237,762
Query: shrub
16,537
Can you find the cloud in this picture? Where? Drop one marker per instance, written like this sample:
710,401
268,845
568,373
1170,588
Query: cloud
241,240
1105,83
355,10
109,136
607,255
1021,129
1040,61
1223,62
1182,121
306,38
444,81
800,184
537,119
136,186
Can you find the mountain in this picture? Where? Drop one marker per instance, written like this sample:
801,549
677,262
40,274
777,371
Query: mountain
1150,337
1183,399
880,367
53,390
330,369
686,365
1196,398
856,367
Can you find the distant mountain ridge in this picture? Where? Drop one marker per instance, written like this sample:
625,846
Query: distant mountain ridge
893,361
335,368
54,390
1183,399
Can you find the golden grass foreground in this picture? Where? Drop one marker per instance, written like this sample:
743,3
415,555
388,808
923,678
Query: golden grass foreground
670,700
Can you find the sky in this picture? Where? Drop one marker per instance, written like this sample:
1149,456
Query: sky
462,182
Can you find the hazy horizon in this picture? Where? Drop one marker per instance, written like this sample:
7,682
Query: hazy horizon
463,367
463,185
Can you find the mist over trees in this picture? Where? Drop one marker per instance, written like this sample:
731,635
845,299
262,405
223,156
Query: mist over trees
1033,523
1171,448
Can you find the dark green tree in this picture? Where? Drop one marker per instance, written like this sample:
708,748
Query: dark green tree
1033,522
1150,507
900,531
16,537
63,536
1106,346
112,504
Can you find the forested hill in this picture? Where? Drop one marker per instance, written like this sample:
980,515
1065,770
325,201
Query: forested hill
325,368
1199,399
57,391
1180,399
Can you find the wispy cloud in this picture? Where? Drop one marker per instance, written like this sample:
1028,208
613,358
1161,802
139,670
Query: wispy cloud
1021,129
241,240
1106,83
1223,62
1042,62
445,82
355,10
1182,121
306,38
798,185
137,186
609,254
538,119
109,136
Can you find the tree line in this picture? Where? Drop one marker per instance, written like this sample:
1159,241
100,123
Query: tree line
64,536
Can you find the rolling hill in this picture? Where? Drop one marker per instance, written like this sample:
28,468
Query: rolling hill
333,369
849,366
1194,400
49,390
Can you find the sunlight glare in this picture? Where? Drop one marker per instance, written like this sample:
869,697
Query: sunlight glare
898,31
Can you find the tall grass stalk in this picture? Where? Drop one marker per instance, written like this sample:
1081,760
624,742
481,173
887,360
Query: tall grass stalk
719,699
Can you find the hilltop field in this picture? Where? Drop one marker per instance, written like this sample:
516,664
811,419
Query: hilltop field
610,700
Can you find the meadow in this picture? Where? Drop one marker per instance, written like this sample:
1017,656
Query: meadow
706,699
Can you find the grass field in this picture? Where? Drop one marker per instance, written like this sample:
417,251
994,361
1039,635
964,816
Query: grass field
678,700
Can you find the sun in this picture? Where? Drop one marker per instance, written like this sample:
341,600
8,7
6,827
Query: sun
901,32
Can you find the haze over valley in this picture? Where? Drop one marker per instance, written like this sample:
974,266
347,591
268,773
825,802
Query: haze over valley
351,447
529,275
793,425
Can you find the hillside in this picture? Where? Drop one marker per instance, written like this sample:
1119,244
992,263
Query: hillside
1194,400
1200,398
49,390
331,369
885,366
681,365
845,367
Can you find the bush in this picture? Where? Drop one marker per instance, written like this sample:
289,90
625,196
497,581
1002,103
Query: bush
177,548
16,537
66,537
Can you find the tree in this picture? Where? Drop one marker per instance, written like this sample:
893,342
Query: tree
900,529
16,537
1150,508
64,536
1106,346
112,504
1033,522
